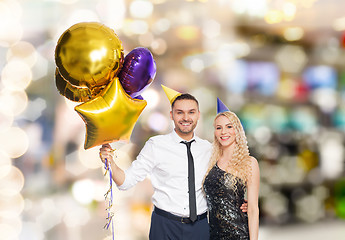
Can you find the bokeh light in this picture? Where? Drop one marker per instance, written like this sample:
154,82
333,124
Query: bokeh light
6,117
141,9
187,32
16,75
162,25
152,98
12,183
83,191
89,158
11,30
331,148
159,46
5,164
15,102
23,51
291,58
11,206
158,122
293,33
14,141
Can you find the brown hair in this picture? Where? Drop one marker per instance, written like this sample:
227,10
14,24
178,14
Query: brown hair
184,96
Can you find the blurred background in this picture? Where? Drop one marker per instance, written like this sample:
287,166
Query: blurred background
279,64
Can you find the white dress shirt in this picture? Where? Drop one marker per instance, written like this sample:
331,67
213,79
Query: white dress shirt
165,159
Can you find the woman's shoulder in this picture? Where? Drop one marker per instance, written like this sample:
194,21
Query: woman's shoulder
253,159
254,163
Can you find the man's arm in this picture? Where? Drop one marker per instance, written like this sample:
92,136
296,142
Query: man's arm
137,172
107,153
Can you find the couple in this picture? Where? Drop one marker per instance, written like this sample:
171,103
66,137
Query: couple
222,173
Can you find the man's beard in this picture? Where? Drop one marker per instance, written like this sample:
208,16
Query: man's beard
192,127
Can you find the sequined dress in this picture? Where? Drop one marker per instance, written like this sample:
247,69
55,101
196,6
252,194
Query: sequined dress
227,221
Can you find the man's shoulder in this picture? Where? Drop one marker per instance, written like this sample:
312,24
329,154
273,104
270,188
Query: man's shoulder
160,137
154,142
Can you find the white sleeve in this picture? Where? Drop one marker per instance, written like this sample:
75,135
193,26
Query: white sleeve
140,167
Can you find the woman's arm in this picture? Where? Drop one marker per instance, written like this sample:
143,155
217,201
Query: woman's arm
253,200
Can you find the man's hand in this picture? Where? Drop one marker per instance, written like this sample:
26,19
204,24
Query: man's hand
106,152
244,206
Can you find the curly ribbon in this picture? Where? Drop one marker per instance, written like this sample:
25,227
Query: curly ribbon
110,200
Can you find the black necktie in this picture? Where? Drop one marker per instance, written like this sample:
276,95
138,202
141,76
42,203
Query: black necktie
191,183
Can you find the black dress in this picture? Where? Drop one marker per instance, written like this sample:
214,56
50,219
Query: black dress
227,221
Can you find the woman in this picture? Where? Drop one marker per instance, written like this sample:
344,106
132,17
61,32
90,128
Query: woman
232,172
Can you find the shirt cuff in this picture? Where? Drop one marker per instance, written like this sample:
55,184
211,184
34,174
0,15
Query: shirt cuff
125,184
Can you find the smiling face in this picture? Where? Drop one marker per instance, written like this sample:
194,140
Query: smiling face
224,131
185,114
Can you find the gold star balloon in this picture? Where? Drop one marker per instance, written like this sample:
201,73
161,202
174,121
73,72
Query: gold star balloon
111,116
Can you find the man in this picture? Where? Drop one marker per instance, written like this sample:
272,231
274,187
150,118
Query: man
168,159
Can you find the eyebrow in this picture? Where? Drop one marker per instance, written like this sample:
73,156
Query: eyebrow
225,125
192,109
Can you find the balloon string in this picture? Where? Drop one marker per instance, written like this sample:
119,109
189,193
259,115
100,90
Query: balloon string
110,200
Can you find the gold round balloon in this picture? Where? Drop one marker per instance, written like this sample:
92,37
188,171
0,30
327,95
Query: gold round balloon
89,54
74,93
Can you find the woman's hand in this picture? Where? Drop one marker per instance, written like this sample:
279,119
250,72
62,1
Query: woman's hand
244,206
106,152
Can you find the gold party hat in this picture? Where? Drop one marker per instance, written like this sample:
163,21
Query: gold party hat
171,94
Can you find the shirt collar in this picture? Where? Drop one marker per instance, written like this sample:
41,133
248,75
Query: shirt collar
176,138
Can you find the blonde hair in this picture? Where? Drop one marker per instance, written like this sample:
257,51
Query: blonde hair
240,164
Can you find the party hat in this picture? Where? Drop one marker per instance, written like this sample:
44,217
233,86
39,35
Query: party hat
221,107
171,94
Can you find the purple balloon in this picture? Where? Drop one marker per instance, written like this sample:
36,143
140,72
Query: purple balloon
139,97
138,71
